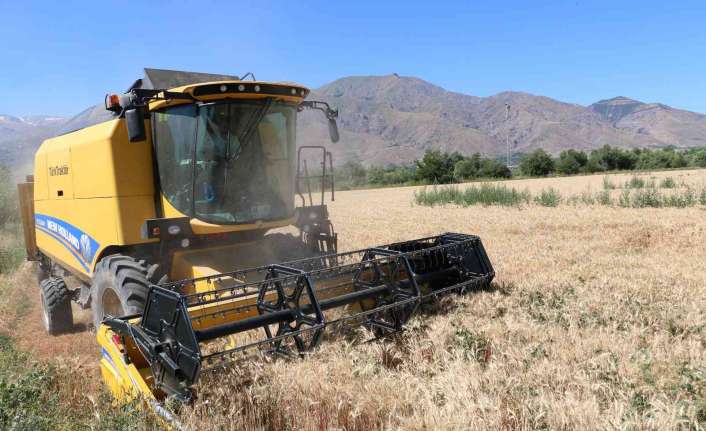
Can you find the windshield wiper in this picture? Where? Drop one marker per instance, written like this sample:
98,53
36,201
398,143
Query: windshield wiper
244,137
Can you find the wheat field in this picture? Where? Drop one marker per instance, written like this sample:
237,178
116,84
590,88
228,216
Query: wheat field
596,320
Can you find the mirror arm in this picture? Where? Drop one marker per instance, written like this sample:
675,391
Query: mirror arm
324,107
141,97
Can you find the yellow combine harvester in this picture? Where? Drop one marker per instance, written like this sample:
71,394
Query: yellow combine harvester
161,211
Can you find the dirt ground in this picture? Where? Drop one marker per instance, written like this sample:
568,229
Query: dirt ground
26,327
598,322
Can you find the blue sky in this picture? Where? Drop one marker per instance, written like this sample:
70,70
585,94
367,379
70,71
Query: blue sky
60,57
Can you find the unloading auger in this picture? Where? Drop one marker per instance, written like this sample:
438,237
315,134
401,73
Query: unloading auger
280,309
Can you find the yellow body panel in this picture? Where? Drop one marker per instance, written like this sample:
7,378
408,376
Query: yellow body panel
41,174
99,192
124,380
187,264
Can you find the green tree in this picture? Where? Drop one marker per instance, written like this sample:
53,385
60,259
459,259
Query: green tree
537,164
609,158
437,167
490,168
677,160
376,175
351,173
399,175
698,158
655,159
571,162
467,168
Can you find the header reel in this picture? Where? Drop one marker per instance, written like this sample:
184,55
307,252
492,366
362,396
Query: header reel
284,308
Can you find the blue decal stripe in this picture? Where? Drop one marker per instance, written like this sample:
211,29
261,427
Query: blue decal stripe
81,245
67,246
109,359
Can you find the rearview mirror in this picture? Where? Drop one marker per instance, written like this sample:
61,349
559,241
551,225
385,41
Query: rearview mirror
331,115
333,130
135,122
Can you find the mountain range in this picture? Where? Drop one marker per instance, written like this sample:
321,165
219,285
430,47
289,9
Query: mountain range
394,119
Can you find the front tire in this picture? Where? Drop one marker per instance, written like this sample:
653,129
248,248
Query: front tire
120,286
56,305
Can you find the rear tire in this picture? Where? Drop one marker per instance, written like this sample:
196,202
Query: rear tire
120,286
56,305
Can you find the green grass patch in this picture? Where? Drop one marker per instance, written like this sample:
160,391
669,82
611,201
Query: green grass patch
483,194
668,183
39,396
638,183
549,197
604,198
652,198
472,346
12,252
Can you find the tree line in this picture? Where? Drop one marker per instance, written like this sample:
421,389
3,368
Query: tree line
438,167
607,158
435,167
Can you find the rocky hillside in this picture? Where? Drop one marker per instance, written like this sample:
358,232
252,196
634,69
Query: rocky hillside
394,119
666,125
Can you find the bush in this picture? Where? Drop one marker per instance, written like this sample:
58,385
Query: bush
604,198
649,198
548,198
608,184
537,164
680,200
638,183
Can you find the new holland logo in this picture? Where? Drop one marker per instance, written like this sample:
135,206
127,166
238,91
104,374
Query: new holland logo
86,251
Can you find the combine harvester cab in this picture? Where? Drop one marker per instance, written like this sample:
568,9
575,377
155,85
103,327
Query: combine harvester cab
280,309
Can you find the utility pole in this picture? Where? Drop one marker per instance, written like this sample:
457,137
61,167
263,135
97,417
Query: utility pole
507,136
